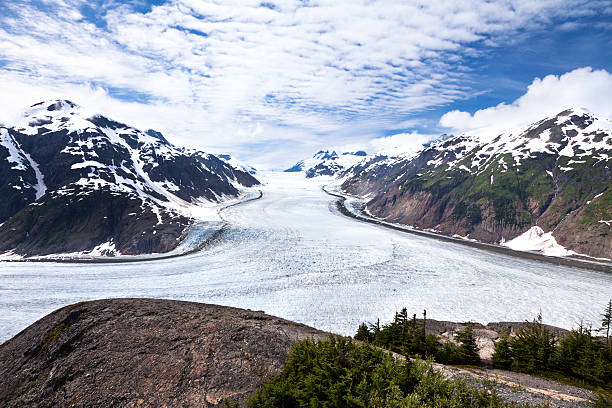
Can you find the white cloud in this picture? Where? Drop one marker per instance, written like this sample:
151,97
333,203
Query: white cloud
582,88
400,143
306,72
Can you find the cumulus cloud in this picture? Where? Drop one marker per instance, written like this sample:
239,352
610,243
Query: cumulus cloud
229,73
400,143
582,88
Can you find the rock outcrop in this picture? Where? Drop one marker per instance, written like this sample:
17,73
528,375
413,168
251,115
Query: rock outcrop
145,352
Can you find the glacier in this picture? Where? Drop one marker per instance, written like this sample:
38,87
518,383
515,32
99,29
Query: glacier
293,255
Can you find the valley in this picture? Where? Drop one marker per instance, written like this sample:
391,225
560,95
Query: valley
293,255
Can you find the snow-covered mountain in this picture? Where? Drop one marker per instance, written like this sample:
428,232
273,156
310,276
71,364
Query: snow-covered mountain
327,163
71,181
237,163
553,176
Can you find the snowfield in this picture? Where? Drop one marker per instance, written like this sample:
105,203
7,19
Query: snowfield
293,255
535,239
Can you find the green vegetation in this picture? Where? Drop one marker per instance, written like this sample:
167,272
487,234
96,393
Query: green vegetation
472,213
600,208
579,358
341,373
407,336
519,194
54,334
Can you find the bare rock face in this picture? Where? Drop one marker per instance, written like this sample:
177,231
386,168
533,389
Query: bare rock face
486,335
145,352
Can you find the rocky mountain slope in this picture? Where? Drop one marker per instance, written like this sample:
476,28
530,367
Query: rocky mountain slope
71,181
144,352
327,163
551,181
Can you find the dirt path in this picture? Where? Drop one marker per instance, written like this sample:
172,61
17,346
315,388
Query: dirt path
523,388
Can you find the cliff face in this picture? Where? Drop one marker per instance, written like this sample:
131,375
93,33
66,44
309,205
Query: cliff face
555,174
144,352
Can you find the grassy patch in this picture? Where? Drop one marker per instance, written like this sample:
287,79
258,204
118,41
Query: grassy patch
52,335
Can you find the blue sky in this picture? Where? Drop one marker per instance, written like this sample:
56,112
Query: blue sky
275,81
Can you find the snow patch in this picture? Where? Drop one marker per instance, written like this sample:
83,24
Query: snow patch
87,163
15,155
104,249
535,239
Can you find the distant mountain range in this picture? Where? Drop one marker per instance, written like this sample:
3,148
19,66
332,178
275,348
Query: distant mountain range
547,186
327,163
77,182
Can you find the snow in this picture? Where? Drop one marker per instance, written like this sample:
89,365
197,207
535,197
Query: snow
293,255
40,186
87,163
535,239
19,157
10,256
104,249
567,151
238,164
521,144
331,160
540,144
15,155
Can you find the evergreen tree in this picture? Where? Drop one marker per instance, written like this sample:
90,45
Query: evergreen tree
336,373
468,350
363,333
501,355
606,321
532,348
424,331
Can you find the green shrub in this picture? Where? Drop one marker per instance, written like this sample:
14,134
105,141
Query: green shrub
341,373
532,348
408,337
579,358
501,354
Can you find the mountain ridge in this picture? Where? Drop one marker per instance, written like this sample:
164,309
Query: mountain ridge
553,174
327,163
80,182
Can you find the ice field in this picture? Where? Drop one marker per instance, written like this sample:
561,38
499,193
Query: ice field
293,255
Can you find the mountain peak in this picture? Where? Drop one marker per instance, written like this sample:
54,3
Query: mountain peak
157,135
52,105
325,154
328,163
575,110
